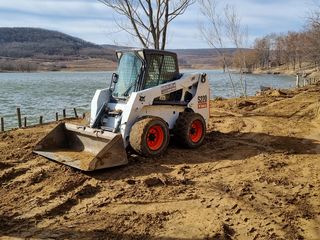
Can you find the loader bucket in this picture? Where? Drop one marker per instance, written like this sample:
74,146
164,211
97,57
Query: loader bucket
83,148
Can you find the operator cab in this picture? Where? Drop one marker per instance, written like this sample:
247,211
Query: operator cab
142,69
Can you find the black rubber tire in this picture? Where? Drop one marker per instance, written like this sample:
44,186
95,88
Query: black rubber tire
183,126
139,135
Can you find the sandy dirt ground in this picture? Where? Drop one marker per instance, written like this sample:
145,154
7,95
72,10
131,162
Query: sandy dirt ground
256,177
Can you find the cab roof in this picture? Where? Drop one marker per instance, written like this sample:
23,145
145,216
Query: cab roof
146,51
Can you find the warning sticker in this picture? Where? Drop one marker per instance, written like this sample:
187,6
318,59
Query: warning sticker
168,88
202,101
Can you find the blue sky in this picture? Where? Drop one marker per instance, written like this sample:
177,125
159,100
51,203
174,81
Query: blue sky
94,22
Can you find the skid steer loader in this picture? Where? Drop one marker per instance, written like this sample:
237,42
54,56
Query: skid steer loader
148,101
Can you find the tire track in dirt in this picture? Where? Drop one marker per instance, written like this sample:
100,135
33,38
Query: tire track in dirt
4,165
11,174
29,169
63,185
84,192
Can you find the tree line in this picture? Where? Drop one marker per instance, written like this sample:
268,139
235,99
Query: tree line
293,50
18,66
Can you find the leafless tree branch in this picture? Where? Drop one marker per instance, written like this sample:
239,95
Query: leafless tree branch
148,18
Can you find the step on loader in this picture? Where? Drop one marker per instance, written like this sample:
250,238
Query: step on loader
148,101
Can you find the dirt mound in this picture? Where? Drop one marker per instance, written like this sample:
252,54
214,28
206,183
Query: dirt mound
256,177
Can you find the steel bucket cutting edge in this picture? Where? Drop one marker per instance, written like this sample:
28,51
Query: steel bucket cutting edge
83,148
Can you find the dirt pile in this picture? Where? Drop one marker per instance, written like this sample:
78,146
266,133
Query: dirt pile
256,177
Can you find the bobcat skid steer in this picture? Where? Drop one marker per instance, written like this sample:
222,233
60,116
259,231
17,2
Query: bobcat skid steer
147,102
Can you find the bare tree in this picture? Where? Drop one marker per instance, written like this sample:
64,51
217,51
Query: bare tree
221,28
313,35
263,48
239,37
314,16
293,50
148,20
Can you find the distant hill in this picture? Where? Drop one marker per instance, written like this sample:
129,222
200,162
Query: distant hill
32,49
202,57
194,58
115,47
41,43
204,51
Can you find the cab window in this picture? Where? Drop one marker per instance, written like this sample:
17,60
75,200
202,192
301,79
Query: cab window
161,69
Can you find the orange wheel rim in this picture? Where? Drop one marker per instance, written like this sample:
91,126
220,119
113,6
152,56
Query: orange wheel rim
196,131
155,137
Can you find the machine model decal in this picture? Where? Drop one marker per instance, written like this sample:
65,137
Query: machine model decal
168,88
202,101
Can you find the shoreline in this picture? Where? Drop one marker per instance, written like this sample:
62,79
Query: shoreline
79,70
100,70
305,72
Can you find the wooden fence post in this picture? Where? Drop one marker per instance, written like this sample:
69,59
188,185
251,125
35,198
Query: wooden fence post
297,80
64,113
19,117
57,117
2,124
75,112
41,120
83,115
25,122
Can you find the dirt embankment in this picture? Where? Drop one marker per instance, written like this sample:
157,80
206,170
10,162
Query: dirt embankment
47,65
256,177
310,72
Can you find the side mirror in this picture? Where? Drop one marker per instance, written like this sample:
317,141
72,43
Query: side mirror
115,77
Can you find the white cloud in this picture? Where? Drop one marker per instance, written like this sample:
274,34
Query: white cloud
92,21
58,8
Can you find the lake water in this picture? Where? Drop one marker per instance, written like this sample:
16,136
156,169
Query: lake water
47,93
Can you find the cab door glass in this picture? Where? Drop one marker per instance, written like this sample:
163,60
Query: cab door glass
129,70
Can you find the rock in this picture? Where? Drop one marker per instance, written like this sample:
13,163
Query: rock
228,231
234,206
243,104
251,197
218,99
131,181
277,93
238,211
153,182
263,88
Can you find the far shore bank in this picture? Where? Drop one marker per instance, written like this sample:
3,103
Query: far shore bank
101,66
308,72
109,69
